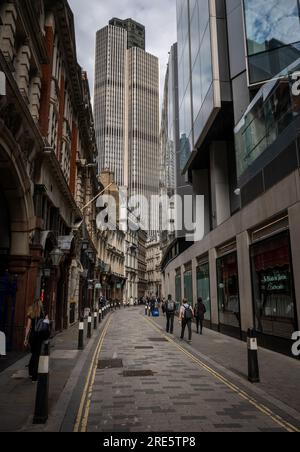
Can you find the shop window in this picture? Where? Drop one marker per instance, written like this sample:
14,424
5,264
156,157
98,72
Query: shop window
188,286
228,291
273,293
178,288
203,288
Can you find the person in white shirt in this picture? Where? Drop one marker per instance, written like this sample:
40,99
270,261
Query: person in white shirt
186,317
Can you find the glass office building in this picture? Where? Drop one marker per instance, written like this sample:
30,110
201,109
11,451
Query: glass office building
272,35
196,91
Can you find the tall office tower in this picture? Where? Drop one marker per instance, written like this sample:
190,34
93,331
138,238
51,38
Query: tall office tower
136,34
143,124
127,107
109,102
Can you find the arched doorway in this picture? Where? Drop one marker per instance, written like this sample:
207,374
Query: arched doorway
18,265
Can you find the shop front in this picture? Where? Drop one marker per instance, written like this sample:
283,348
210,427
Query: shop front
228,295
188,284
178,289
203,290
273,292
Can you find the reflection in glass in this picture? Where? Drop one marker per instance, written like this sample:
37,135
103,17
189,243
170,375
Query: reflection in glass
228,291
273,287
188,287
273,36
273,109
203,288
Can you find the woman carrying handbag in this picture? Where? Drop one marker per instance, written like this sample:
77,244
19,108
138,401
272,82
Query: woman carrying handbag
37,331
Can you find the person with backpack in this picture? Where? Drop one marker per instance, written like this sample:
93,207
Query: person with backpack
37,331
199,313
170,312
186,318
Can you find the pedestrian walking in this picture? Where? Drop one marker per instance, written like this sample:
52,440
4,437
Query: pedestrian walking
170,311
37,331
199,313
186,318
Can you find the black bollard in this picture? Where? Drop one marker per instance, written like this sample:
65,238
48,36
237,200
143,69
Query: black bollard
81,334
89,329
42,392
253,367
95,320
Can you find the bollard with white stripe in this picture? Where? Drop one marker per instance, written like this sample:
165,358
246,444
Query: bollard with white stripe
95,320
42,393
89,329
81,334
100,316
253,367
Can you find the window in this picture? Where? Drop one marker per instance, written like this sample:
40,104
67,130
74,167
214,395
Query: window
274,304
188,286
203,288
273,36
228,291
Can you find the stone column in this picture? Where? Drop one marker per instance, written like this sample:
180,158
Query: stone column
220,197
245,283
194,273
213,288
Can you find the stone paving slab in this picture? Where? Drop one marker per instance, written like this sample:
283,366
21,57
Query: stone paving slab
180,397
280,375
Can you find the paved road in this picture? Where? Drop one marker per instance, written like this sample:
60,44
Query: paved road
140,380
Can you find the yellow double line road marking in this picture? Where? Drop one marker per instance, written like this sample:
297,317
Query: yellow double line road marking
85,404
260,407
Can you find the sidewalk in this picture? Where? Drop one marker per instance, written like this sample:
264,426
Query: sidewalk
280,375
17,392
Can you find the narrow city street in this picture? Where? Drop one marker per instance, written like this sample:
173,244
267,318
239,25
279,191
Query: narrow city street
140,380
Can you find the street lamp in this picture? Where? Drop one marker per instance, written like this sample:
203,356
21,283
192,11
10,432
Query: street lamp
56,257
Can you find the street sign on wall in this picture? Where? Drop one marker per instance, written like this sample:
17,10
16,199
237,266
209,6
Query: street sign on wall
2,84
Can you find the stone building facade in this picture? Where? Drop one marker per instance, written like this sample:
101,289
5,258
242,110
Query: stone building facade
48,240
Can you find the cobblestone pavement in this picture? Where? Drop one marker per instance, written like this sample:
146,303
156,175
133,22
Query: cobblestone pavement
154,384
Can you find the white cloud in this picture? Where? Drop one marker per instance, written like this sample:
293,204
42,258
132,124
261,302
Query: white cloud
158,16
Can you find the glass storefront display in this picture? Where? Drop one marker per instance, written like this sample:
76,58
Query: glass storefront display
273,36
228,291
188,286
178,288
273,293
203,288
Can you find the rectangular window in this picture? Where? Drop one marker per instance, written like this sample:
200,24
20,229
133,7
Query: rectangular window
273,293
203,288
273,36
188,286
228,291
178,288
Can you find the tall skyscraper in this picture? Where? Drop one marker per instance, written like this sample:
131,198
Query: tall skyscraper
109,101
127,107
136,33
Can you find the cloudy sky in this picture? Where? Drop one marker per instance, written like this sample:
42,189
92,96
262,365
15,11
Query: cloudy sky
158,16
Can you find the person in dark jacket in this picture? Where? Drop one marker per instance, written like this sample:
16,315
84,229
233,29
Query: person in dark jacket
33,338
199,313
170,308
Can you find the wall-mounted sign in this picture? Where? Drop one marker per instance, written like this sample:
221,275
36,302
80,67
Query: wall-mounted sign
2,84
